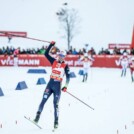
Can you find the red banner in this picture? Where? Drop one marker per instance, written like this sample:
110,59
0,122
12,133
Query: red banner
132,43
107,61
13,34
120,46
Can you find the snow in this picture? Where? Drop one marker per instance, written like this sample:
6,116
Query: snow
110,95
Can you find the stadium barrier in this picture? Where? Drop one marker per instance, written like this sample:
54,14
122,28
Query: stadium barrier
107,61
41,81
72,75
21,85
37,71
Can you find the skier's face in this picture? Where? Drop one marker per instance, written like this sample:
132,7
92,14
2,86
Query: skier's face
86,59
61,58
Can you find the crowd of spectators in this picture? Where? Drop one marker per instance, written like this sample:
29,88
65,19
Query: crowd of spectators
116,51
10,50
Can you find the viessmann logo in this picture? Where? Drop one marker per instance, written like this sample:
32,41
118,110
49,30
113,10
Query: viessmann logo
21,62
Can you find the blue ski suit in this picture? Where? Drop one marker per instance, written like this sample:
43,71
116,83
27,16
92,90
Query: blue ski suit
54,84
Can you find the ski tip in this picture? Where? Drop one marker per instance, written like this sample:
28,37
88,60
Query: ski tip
32,121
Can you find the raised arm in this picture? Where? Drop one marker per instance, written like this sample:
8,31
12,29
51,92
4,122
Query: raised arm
50,58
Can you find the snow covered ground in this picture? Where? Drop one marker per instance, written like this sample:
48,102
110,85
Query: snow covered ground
110,95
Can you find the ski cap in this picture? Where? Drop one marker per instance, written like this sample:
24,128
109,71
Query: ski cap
62,54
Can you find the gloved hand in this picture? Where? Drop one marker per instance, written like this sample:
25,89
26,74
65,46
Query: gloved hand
52,42
64,89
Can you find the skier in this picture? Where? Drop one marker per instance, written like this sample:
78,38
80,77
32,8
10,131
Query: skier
15,56
59,68
87,62
131,65
124,62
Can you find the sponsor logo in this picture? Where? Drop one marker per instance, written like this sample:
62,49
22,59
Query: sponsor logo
45,96
70,62
21,62
78,63
73,63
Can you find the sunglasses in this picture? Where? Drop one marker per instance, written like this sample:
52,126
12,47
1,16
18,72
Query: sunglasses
61,55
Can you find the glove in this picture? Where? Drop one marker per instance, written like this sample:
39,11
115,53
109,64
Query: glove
64,89
52,42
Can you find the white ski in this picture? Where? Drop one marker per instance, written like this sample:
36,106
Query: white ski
33,122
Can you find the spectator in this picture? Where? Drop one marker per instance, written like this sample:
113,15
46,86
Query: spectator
1,52
74,52
80,52
107,52
125,51
41,51
132,51
84,50
91,51
23,51
116,51
101,52
69,52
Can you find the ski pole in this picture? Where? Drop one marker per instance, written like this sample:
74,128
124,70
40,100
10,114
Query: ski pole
8,34
36,39
131,73
80,100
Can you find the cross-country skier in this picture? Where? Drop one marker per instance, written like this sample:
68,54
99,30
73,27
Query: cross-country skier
15,56
124,62
86,62
131,65
59,68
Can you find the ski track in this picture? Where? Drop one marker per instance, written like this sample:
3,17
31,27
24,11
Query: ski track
110,95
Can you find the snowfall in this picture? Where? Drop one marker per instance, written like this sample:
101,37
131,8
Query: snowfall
111,96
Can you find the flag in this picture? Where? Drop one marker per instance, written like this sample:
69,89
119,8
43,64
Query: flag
132,43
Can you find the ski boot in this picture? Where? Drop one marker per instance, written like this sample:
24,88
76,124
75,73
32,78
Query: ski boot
55,125
132,79
37,117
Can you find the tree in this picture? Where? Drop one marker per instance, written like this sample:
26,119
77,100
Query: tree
69,21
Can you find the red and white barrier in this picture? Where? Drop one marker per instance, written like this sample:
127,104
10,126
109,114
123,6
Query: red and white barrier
107,61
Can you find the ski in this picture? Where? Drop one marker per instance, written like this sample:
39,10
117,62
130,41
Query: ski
33,122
